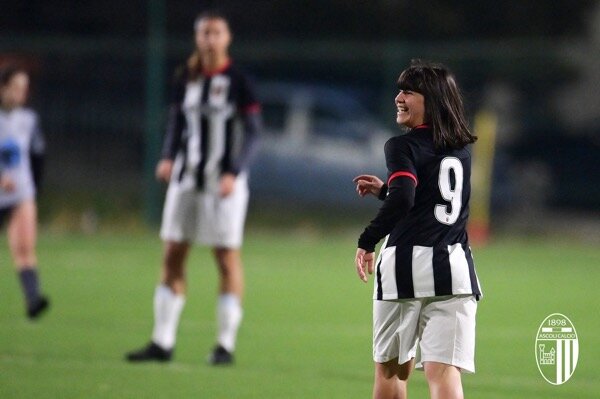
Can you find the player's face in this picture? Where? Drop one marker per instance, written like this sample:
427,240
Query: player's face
410,108
213,37
14,93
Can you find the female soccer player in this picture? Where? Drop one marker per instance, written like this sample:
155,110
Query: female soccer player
21,157
205,160
426,287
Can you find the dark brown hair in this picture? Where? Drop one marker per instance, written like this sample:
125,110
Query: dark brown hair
444,110
194,62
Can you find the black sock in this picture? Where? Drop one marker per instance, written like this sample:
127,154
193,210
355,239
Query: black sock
30,284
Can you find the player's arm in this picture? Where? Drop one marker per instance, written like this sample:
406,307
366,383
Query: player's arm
369,184
400,196
252,125
396,206
249,110
173,133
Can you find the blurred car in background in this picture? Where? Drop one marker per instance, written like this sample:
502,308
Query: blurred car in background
316,138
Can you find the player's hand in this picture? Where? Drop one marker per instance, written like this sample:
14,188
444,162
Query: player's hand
227,184
368,184
364,263
7,184
164,169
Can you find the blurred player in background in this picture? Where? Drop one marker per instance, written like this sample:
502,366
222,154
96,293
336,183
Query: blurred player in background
205,160
426,289
21,159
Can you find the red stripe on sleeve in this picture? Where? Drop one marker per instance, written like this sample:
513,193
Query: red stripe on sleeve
399,174
251,108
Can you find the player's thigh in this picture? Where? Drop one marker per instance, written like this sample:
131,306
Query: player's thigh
179,216
448,331
175,253
231,210
395,330
391,369
222,220
22,229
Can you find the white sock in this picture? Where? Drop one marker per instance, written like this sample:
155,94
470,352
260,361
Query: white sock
167,309
229,317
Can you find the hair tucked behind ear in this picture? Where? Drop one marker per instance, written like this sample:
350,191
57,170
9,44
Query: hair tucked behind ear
444,109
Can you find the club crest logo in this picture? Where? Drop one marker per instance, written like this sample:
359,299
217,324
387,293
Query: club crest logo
556,349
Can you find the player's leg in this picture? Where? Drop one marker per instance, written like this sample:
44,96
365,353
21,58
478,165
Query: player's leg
448,343
395,330
444,380
22,232
169,295
169,299
391,379
228,229
173,266
229,303
178,226
231,275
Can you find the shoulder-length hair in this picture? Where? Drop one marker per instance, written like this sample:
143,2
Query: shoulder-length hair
444,110
194,62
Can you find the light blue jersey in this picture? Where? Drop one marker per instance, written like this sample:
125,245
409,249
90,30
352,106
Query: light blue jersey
20,139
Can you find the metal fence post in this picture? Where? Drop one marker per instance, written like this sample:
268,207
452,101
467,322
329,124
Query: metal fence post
154,105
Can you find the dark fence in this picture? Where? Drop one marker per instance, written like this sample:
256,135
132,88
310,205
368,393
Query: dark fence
92,95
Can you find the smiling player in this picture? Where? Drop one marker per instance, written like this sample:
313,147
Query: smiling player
425,282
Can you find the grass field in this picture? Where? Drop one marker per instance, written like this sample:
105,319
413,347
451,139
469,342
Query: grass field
307,326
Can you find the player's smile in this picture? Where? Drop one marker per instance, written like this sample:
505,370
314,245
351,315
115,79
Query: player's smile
402,110
410,108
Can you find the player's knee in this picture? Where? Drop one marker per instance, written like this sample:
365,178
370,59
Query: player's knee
437,373
173,271
227,261
383,371
24,254
175,255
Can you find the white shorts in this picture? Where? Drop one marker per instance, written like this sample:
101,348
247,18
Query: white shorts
434,329
206,218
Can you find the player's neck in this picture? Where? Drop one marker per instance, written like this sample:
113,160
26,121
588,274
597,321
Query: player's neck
213,65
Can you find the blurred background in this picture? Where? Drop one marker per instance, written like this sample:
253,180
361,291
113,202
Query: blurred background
326,73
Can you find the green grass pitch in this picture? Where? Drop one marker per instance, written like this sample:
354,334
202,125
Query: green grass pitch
307,325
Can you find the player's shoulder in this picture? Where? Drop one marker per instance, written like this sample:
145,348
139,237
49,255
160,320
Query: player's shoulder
463,153
396,141
237,70
240,74
402,142
27,113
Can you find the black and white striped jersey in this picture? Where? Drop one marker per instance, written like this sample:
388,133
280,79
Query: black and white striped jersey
426,252
208,131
